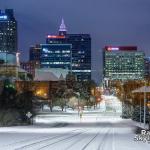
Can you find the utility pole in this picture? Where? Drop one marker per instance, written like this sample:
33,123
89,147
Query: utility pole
78,94
144,103
140,112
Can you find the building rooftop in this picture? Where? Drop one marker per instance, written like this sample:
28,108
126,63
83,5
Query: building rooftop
50,74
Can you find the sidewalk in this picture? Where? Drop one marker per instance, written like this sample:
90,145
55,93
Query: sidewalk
141,125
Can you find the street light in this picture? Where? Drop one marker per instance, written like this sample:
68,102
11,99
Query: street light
144,103
145,89
122,98
78,101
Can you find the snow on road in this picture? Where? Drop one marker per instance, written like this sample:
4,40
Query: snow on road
92,132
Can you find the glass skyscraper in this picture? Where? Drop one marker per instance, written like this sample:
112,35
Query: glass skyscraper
123,63
81,55
8,44
8,31
34,53
55,53
81,51
55,56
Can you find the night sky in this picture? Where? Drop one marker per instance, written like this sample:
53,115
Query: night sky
110,22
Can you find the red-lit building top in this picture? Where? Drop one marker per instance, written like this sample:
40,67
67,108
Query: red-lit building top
55,36
120,48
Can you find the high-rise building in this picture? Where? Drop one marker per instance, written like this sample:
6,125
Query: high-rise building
81,55
34,53
123,63
55,56
147,67
81,51
8,31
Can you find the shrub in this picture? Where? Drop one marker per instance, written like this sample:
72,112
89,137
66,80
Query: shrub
136,114
9,118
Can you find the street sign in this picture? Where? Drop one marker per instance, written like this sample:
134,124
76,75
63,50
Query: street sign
28,114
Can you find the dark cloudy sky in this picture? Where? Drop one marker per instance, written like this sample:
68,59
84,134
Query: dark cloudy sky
110,22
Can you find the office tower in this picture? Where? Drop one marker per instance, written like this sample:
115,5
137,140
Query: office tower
123,63
81,51
81,55
8,31
147,67
34,53
56,56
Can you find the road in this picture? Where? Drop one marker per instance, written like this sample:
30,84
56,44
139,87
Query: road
69,132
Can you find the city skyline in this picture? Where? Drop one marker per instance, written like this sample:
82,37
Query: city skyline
108,22
74,74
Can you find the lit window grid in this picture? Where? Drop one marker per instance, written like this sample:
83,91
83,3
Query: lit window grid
130,64
56,56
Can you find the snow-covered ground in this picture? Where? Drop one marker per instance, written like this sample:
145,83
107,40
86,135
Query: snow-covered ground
94,131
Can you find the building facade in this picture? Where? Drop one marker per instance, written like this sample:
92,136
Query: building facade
81,55
72,51
147,67
43,89
81,51
55,56
34,53
123,63
30,67
8,65
8,31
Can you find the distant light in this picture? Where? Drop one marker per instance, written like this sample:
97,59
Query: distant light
113,48
56,36
121,48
